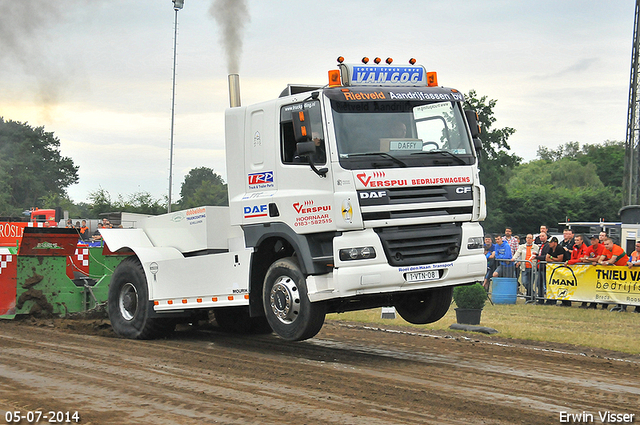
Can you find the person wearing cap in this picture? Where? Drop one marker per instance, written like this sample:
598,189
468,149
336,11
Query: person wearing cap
556,252
595,250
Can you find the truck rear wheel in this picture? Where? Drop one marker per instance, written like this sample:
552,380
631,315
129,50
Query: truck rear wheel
426,306
128,304
286,303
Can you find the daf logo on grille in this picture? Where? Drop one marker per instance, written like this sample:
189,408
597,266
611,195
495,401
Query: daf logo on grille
374,194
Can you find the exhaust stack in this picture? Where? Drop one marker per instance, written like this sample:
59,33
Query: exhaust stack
234,90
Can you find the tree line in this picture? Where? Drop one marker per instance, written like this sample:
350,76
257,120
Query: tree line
33,174
571,182
579,183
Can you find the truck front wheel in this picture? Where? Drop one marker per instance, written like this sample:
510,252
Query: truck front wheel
425,306
286,303
128,304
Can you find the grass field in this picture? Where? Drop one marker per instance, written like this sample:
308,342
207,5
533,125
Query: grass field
586,327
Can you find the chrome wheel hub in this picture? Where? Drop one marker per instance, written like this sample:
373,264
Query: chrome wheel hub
285,299
128,301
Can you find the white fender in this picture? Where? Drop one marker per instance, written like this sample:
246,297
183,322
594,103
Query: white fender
137,241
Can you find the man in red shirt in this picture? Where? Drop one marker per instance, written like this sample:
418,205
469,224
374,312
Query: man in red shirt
579,252
595,250
592,254
613,254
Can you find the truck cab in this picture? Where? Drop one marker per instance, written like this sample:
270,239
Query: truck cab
397,202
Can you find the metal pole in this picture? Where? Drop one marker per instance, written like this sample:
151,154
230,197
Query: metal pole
173,103
631,195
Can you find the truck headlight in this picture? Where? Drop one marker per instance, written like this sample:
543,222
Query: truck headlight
474,243
362,253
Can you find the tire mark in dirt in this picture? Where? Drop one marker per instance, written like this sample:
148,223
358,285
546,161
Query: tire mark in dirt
120,383
343,376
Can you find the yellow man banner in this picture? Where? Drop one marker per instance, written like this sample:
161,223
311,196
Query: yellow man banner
602,284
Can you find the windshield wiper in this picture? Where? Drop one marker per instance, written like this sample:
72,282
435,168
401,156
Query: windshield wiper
381,154
441,151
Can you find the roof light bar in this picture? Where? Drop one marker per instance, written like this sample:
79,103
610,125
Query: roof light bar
366,74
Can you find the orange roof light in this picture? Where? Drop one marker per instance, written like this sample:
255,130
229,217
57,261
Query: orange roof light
377,60
389,61
432,79
334,78
340,59
365,60
412,61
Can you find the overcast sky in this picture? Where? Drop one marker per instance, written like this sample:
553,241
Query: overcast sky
98,73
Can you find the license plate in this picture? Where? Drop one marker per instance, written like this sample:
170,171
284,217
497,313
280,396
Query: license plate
422,276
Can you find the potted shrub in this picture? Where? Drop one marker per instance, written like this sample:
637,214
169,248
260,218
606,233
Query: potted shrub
469,300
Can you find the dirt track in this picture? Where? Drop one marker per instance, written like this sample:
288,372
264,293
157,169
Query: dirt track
348,374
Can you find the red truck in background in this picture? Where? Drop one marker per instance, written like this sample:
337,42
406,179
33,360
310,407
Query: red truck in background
11,229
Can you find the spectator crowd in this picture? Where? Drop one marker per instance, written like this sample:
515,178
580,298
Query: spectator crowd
508,256
84,234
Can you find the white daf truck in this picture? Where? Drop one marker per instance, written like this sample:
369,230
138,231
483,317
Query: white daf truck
359,194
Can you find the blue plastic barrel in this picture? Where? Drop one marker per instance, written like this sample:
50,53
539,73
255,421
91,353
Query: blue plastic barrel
504,290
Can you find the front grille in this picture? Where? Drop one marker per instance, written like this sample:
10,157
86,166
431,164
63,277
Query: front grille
403,202
388,215
406,195
421,244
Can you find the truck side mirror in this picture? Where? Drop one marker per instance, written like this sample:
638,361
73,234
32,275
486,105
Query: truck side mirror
305,148
472,119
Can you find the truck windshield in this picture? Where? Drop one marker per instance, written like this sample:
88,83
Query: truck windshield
387,134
